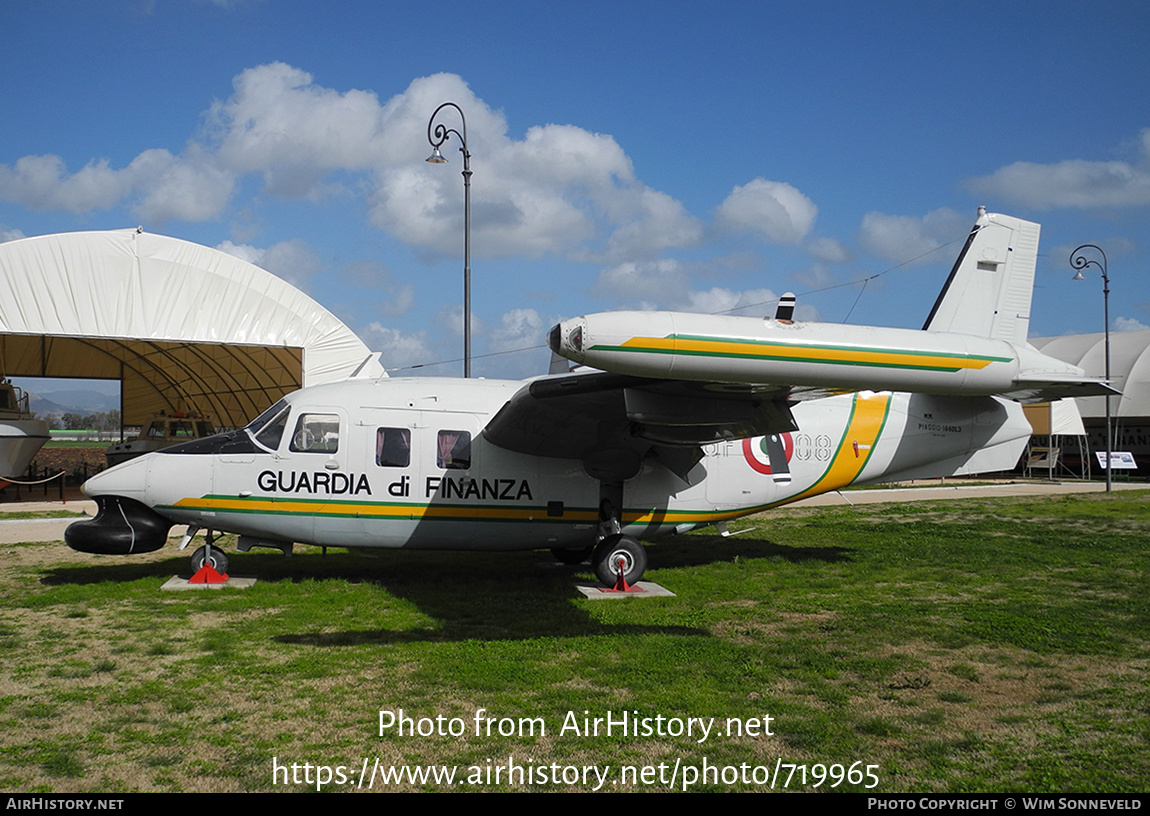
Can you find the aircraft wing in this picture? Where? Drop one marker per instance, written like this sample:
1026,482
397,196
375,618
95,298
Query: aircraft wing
592,413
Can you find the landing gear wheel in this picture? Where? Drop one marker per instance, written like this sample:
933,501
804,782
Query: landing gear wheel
219,560
611,551
572,557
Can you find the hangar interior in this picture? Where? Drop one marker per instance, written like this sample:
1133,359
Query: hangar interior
1058,446
183,327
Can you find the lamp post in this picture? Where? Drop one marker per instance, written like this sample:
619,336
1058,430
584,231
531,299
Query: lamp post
1080,262
437,137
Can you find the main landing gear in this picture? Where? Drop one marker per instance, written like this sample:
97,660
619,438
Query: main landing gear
617,554
606,558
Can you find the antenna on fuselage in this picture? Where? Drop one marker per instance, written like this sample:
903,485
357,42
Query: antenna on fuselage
785,312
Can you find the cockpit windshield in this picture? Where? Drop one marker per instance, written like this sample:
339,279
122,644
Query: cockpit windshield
268,428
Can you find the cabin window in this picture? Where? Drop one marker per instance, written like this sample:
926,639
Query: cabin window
315,433
454,450
393,447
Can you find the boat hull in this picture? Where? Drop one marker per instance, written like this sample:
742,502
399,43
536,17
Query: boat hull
20,441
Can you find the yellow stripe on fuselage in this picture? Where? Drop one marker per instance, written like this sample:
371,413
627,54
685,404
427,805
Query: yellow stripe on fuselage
370,510
791,352
868,417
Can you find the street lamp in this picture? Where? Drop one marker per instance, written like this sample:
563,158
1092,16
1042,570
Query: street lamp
1079,261
437,137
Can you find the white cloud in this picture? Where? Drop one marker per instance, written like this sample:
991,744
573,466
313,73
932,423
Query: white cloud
530,197
747,303
903,238
641,281
665,284
1072,183
10,234
718,300
1125,324
828,250
43,183
279,123
402,299
565,154
774,209
1116,246
559,189
398,349
291,260
816,276
519,346
186,188
449,320
518,328
365,276
245,252
659,222
548,193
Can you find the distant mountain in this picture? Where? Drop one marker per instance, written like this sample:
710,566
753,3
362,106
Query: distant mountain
75,401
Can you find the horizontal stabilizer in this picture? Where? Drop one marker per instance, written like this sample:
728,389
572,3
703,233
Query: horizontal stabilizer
1050,388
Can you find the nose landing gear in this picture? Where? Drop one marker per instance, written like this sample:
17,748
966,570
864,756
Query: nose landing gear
209,555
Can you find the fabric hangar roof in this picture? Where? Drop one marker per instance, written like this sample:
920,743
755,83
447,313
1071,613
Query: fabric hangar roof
185,328
1129,367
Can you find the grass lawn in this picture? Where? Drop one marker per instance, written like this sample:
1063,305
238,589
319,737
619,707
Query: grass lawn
981,645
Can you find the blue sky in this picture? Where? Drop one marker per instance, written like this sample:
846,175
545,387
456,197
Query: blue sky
625,155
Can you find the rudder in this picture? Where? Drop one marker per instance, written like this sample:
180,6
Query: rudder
990,287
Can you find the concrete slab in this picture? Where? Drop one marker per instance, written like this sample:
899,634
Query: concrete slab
18,530
15,531
177,584
599,592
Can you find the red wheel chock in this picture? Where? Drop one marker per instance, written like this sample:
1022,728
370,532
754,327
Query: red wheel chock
207,575
621,584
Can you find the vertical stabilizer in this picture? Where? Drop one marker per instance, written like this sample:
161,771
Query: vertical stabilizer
989,289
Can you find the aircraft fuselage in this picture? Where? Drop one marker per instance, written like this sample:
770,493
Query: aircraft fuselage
404,463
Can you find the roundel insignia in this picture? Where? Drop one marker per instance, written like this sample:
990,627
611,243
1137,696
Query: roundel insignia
755,452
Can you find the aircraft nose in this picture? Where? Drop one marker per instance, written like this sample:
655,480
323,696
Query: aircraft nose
129,480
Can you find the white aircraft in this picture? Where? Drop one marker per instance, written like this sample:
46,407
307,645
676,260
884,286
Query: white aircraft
675,421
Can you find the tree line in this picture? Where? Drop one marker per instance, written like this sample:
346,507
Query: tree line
97,421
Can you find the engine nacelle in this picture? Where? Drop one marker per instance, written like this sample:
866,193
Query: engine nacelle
120,527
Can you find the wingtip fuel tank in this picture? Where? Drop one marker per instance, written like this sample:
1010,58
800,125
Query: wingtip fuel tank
973,344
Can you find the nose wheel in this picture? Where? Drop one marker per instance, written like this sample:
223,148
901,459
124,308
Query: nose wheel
210,555
618,553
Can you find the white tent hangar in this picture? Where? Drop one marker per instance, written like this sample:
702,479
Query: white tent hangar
182,326
1129,369
1130,373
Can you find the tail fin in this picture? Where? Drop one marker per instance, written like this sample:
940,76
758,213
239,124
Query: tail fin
989,289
